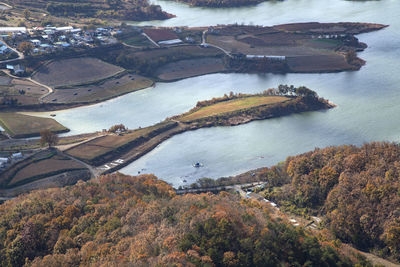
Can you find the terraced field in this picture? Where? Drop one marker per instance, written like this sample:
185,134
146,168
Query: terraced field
97,148
74,71
107,89
41,165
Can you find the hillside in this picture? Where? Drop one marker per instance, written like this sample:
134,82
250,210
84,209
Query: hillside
355,190
120,220
110,9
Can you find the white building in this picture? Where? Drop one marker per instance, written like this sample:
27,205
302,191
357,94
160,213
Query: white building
277,58
13,30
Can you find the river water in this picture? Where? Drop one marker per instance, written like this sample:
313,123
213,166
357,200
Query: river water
368,100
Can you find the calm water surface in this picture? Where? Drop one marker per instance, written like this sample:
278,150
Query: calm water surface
367,100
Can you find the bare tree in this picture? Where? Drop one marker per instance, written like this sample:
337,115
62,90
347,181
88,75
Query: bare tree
48,137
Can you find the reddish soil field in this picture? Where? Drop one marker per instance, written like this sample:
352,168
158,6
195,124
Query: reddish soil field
319,63
160,34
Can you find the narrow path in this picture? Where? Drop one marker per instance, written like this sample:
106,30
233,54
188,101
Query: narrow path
204,43
151,40
20,54
43,85
50,90
5,4
92,170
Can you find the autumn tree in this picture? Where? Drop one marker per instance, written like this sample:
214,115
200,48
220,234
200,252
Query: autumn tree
48,137
117,128
27,14
25,47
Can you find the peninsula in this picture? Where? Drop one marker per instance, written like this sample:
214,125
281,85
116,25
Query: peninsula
118,147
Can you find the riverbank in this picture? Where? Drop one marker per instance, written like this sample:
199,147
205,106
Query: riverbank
112,152
100,75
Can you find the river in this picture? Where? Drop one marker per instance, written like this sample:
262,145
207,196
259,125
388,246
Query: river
367,100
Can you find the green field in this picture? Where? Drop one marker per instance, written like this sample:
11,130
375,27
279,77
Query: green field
138,40
232,105
19,125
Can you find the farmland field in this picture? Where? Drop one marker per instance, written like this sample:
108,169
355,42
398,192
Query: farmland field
48,166
41,165
178,52
24,91
19,125
138,40
232,105
107,89
189,68
318,63
106,144
74,71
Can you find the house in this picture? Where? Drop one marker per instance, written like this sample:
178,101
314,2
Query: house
64,29
16,69
3,161
4,49
36,42
162,36
17,155
13,30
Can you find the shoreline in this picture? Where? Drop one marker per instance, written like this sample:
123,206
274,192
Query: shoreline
135,149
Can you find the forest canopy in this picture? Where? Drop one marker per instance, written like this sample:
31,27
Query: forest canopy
355,189
122,220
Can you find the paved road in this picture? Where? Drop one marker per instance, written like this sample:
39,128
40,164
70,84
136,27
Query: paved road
20,55
204,43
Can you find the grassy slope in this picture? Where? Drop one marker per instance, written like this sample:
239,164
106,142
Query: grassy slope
233,105
19,125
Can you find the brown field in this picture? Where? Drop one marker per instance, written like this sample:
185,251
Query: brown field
105,144
48,166
160,34
231,44
189,68
273,39
19,125
97,92
41,165
11,88
232,105
320,63
74,71
193,51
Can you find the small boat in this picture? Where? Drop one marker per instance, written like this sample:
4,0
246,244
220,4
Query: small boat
52,115
198,165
